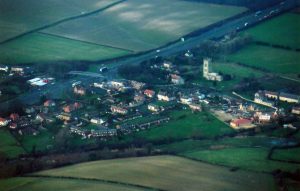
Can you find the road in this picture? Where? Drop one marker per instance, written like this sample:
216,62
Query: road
57,89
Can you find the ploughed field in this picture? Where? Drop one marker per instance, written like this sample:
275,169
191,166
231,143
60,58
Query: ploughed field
114,29
159,172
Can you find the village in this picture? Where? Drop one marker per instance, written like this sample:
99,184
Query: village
107,108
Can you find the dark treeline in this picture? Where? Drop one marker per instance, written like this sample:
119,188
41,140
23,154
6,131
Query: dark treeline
252,4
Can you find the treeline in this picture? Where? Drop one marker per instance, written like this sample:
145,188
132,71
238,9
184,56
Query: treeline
251,4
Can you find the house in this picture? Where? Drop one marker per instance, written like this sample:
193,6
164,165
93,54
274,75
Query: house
149,93
49,103
296,110
163,96
97,121
241,124
263,117
167,65
117,84
40,117
3,122
271,95
14,116
68,108
260,98
17,69
137,85
290,98
4,68
64,116
13,126
153,108
186,100
79,90
120,110
195,107
139,98
29,110
176,79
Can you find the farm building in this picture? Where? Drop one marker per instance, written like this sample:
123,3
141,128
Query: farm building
296,110
260,98
290,98
186,100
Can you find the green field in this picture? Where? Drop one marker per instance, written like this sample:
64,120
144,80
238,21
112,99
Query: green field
272,59
142,24
39,47
9,146
18,16
185,124
292,154
285,31
47,184
168,173
245,158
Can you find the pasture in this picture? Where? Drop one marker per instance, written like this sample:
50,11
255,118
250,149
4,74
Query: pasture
292,154
254,159
284,29
275,60
18,16
9,147
39,47
185,124
141,25
167,173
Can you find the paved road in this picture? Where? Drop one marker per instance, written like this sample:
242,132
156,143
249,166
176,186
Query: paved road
217,32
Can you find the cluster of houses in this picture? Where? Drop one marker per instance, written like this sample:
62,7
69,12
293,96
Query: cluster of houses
16,70
268,98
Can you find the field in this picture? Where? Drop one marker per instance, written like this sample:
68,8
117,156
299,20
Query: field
48,184
39,47
185,124
284,31
18,16
166,172
275,60
140,25
292,154
254,159
8,145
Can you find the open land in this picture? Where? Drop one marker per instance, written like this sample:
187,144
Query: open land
275,60
140,25
284,31
39,47
168,173
9,146
291,154
30,15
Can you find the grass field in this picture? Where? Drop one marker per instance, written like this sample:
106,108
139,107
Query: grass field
142,24
274,60
32,184
284,29
185,124
8,145
292,154
168,173
41,47
18,16
245,158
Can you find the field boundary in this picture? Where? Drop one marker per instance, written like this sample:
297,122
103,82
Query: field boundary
62,21
103,181
87,42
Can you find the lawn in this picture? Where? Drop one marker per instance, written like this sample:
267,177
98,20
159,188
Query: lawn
140,25
9,146
167,173
271,59
18,16
254,159
49,184
185,124
40,47
292,154
285,31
